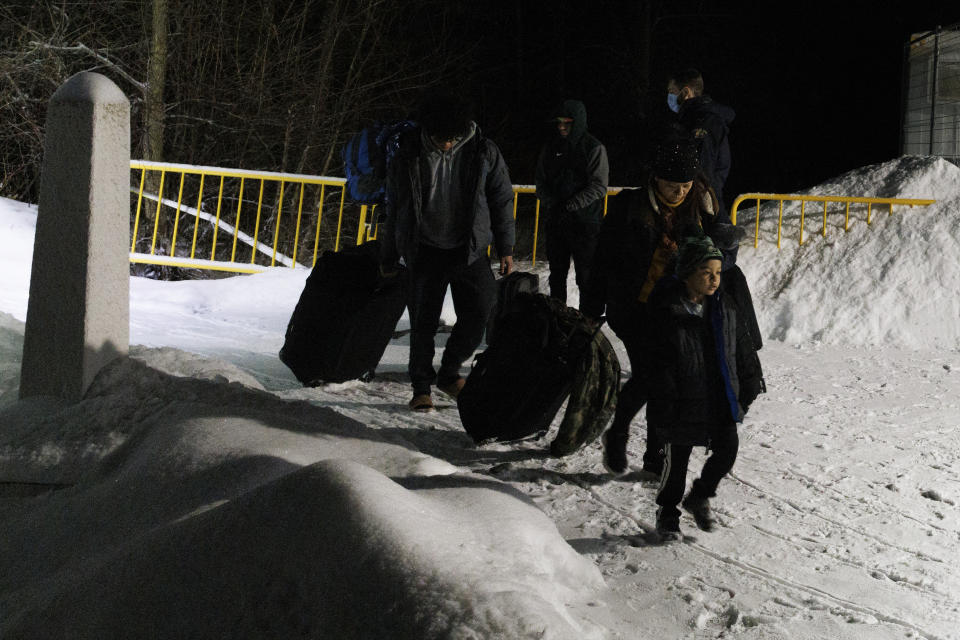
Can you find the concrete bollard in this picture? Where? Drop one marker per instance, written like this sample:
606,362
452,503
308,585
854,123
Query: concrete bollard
78,314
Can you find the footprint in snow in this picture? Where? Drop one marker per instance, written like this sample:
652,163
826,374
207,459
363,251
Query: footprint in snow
932,494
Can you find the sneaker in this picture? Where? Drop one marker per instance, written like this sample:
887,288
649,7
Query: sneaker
668,529
454,387
699,508
614,452
421,403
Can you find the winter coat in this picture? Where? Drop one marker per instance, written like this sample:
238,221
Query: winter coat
573,172
709,123
637,246
704,371
487,200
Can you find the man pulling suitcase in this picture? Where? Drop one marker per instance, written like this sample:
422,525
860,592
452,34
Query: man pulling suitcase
448,196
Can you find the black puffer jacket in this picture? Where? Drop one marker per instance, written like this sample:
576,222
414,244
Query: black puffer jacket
696,387
621,277
488,200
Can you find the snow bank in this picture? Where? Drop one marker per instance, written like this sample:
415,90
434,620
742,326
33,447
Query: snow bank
11,355
894,282
202,506
18,223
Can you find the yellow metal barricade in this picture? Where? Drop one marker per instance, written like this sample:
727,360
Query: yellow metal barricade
825,200
527,189
269,217
292,204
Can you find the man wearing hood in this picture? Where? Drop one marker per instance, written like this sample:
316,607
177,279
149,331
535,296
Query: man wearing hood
448,198
571,178
707,121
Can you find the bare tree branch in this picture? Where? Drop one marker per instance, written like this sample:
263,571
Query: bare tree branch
97,55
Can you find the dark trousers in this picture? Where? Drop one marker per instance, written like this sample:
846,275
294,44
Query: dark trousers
673,481
633,395
473,289
568,239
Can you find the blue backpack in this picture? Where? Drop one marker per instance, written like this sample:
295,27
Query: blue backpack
366,156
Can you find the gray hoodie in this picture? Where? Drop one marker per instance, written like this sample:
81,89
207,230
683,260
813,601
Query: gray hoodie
444,221
486,200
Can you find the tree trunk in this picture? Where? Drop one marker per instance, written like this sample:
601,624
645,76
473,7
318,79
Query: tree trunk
156,80
153,115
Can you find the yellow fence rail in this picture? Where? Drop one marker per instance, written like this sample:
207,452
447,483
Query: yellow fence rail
249,221
234,203
532,190
825,200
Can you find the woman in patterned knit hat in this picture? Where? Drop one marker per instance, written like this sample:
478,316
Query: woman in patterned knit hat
637,246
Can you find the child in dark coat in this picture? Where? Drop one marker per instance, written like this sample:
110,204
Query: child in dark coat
705,374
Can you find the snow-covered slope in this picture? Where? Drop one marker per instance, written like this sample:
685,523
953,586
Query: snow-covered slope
894,283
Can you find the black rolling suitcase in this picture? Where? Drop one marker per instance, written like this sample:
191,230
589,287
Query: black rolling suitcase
344,319
517,386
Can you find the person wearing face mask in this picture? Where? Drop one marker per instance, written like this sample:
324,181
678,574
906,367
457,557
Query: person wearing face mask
637,246
571,177
706,120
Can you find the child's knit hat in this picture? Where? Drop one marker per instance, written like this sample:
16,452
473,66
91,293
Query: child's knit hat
694,251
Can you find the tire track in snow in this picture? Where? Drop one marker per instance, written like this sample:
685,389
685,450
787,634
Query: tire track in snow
842,603
851,563
889,508
839,603
840,496
860,532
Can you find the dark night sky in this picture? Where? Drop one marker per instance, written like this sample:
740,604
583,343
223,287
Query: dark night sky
816,86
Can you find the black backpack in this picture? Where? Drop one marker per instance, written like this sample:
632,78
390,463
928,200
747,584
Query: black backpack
507,289
542,352
734,283
366,156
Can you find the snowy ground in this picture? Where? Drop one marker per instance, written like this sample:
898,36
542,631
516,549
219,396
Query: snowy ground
199,491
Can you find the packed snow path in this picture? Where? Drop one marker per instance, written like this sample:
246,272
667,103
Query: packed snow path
839,520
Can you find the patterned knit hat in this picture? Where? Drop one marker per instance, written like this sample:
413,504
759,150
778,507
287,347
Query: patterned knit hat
694,251
676,160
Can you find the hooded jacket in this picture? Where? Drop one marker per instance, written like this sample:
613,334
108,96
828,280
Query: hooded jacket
469,186
572,171
704,372
709,123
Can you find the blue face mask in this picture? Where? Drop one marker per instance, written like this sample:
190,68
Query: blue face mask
673,101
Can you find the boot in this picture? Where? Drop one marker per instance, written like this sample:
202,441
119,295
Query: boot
668,528
700,509
615,451
421,403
